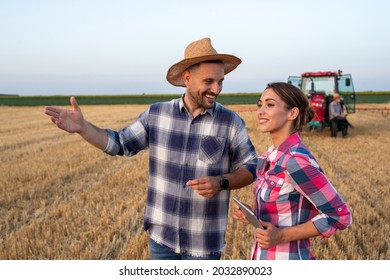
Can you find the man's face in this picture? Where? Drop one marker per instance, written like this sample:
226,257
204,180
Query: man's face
203,84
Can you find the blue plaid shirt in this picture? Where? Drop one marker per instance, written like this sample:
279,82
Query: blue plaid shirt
183,148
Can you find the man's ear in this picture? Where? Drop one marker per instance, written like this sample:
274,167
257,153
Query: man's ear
293,114
186,75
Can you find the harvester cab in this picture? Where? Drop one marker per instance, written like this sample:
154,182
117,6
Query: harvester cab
319,88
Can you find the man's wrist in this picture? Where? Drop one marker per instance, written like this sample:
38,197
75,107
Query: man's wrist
224,183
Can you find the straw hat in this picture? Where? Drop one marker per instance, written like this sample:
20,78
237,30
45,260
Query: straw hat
197,52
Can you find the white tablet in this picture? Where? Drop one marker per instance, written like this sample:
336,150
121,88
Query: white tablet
248,213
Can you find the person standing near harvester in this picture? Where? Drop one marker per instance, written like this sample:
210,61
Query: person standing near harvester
198,151
337,117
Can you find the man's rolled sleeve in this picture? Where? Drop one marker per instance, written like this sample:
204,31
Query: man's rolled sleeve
113,145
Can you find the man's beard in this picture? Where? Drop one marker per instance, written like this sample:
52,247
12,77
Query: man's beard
205,101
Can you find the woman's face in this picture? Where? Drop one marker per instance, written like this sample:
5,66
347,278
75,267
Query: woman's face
272,114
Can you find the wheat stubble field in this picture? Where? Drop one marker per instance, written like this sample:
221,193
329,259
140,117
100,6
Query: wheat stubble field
61,198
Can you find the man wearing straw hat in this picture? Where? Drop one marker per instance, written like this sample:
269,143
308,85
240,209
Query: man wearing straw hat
198,151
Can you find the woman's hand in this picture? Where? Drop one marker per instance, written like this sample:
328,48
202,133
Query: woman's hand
268,237
239,215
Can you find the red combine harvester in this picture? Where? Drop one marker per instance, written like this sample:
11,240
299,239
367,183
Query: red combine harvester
319,88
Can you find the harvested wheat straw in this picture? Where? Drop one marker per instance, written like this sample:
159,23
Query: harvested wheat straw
61,198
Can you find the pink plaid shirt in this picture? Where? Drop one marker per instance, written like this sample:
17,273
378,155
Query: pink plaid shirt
292,189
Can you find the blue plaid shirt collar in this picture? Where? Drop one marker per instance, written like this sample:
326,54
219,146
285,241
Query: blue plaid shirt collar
183,107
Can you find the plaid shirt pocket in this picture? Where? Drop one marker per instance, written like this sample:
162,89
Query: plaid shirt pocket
211,149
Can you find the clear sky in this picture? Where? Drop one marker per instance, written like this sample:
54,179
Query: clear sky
66,47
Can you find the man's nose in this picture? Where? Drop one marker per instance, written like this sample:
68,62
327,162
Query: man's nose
216,88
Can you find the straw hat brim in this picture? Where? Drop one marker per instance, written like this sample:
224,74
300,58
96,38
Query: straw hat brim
174,75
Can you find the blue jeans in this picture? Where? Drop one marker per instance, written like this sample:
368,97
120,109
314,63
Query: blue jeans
161,252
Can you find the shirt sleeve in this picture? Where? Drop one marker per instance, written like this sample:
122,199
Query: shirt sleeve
129,140
311,182
243,153
332,112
